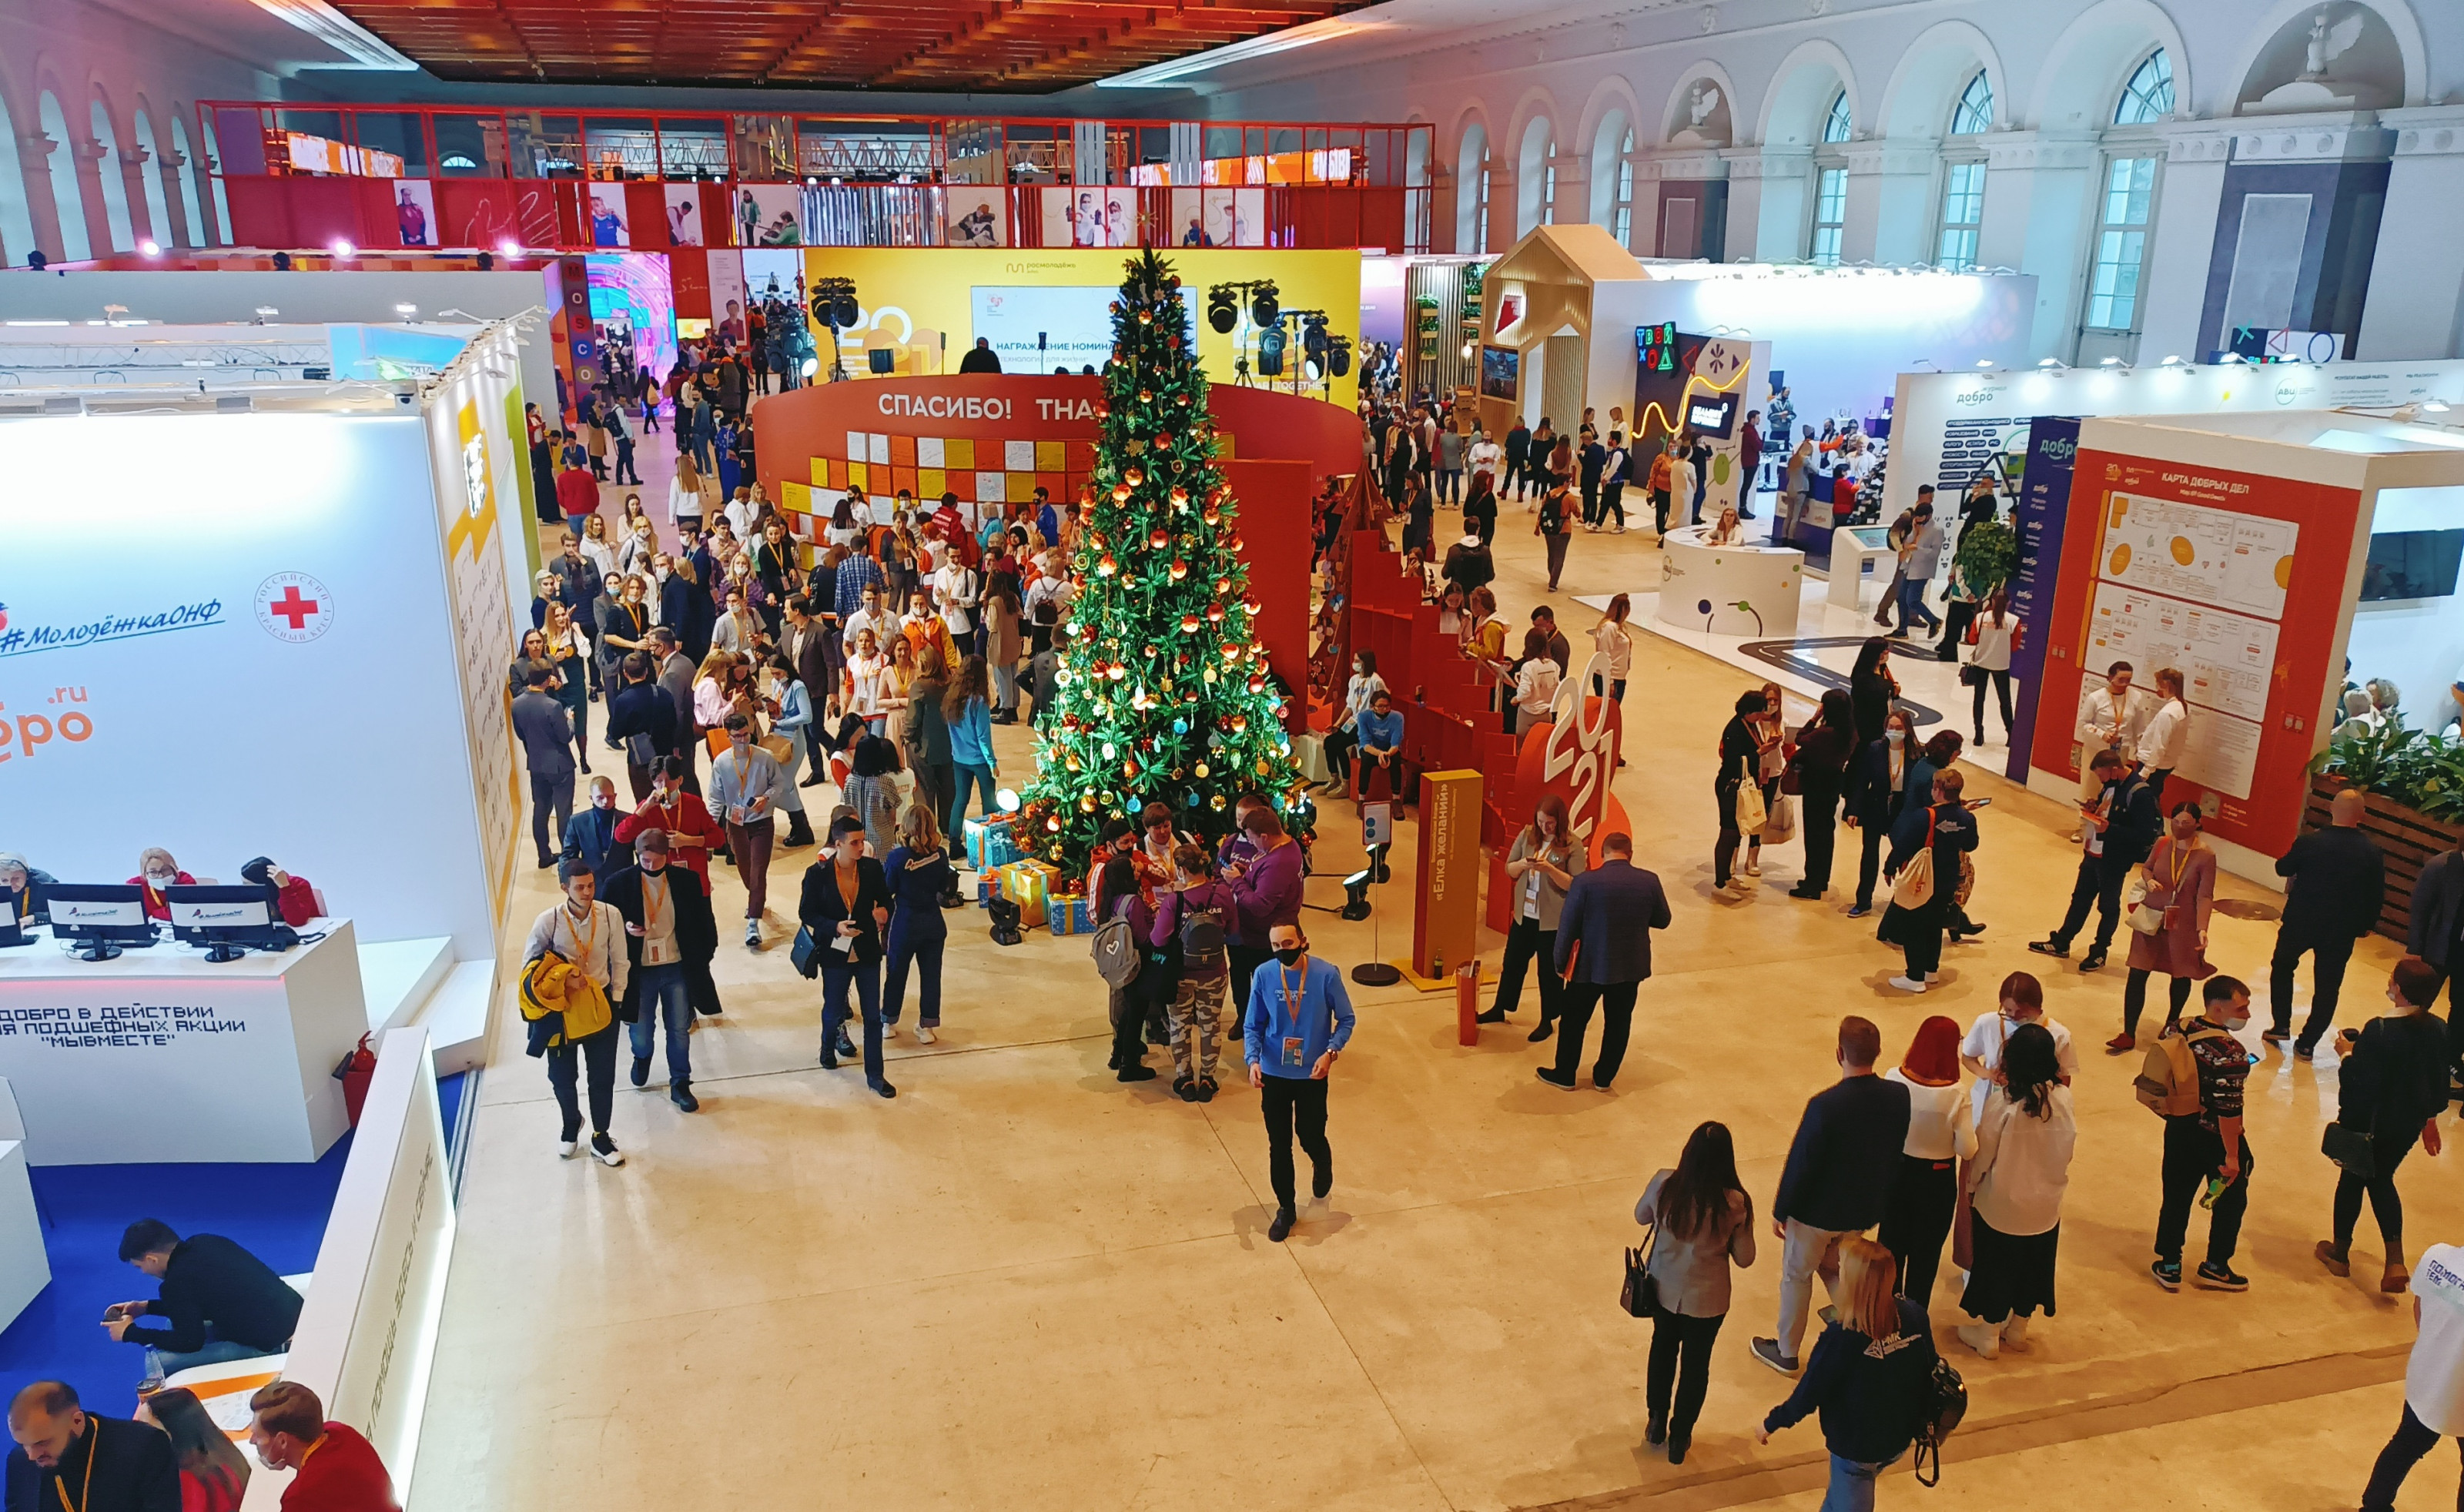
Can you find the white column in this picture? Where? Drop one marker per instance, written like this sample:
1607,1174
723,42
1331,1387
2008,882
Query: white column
2037,190
1502,204
2175,283
2415,308
1891,210
1573,202
1769,191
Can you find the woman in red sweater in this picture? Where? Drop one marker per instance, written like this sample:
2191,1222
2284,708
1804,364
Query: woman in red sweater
294,900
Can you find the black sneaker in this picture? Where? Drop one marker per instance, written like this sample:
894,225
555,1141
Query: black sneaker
1281,1228
1136,1072
2215,1277
2092,961
1493,1016
1767,1350
2049,947
2275,1036
1549,1074
1541,1033
1206,1089
681,1093
883,1087
641,1071
2168,1274
1185,1089
1321,1182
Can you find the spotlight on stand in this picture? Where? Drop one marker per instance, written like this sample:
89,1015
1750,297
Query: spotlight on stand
1265,304
1313,334
1270,350
1356,896
1223,308
1339,357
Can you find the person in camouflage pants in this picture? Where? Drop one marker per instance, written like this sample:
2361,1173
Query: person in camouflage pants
1194,916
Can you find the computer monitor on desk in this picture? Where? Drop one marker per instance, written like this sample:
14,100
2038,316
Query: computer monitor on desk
101,916
223,918
12,928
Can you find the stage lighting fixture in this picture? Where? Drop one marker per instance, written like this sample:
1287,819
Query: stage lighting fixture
1338,360
1223,308
1313,334
1356,896
1270,351
834,303
1264,303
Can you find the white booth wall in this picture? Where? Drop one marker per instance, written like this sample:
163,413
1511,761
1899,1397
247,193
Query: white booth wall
1946,425
2416,644
156,692
1840,338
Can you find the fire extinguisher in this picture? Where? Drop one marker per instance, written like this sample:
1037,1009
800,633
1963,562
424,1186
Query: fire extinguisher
357,1070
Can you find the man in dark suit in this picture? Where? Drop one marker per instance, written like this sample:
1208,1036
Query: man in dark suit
1604,934
68,1457
641,723
2338,881
675,673
806,647
2437,937
670,936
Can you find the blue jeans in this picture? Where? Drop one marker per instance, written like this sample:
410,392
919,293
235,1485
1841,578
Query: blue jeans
1852,1485
866,978
160,1363
925,956
662,1000
979,777
1912,605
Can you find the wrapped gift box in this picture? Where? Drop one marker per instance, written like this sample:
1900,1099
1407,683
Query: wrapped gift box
991,842
987,888
1029,884
1071,915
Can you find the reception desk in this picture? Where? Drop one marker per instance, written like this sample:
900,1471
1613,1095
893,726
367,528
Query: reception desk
1727,590
162,1056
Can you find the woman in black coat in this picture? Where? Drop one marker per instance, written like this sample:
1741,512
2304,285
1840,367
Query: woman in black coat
1480,509
1872,690
1877,789
2392,1086
1740,755
847,898
1823,748
1945,825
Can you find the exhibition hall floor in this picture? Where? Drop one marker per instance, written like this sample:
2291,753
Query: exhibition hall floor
1022,1284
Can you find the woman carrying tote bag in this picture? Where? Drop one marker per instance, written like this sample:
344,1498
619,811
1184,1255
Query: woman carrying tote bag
1703,1222
2023,1162
2391,1090
2169,922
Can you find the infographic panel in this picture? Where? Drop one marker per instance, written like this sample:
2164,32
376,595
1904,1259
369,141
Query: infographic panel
2189,551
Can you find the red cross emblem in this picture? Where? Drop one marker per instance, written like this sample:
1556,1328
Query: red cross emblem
294,606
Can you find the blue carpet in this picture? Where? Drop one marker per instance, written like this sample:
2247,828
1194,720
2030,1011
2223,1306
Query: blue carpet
448,1102
276,1210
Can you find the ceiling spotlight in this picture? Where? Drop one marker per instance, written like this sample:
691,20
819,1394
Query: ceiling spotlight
1264,303
1985,361
1338,354
151,247
509,246
2171,362
343,249
406,310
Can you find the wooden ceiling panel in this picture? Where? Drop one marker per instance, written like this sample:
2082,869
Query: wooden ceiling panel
984,46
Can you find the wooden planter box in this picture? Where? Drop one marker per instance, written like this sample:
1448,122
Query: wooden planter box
2406,837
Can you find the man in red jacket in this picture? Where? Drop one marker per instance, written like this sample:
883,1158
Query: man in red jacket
333,1469
692,833
576,494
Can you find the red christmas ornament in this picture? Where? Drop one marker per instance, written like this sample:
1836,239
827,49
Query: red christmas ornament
1159,538
1188,626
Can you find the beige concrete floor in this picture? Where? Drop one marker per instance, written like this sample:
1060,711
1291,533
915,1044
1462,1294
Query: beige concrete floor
1021,1283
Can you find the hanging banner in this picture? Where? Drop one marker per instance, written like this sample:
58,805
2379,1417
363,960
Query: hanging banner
2044,503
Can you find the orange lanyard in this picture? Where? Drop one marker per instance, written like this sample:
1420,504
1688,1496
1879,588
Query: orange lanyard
85,1492
655,898
582,943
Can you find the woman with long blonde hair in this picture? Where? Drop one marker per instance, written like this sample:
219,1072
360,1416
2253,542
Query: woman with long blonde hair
1870,1376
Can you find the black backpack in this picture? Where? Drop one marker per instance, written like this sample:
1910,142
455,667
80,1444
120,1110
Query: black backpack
1945,1403
1201,939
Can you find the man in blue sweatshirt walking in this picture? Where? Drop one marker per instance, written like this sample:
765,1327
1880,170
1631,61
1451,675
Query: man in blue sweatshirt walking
1299,1020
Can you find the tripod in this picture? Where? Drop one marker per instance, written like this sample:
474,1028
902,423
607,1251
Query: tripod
1240,378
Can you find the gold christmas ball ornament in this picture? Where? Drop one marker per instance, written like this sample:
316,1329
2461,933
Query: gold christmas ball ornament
1146,396
1135,476
1210,674
1265,766
1120,493
1086,800
1201,769
1215,803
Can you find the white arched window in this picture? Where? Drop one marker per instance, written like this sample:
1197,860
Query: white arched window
1471,191
200,234
158,209
210,166
114,183
16,219
1624,226
2148,96
1535,176
74,245
1830,185
1975,110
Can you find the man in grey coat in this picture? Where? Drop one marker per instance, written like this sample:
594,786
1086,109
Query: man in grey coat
546,733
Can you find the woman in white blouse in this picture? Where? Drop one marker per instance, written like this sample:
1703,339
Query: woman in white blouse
867,683
2167,732
1615,642
1535,682
1729,531
1364,686
684,495
598,549
1942,1132
2024,1145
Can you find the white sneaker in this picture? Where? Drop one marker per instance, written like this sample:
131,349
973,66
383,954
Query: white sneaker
923,1035
753,935
611,1157
1982,1336
1908,984
2015,1335
889,1034
1753,868
567,1149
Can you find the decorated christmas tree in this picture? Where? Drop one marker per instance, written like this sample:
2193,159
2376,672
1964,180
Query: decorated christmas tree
1162,692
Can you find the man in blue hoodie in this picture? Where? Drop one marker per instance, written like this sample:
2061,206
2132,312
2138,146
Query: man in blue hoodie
1299,1020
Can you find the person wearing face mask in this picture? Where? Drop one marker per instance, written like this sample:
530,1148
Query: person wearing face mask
1346,734
2022,1001
2391,1086
291,898
747,788
1946,829
2181,884
2207,1146
846,905
1740,763
670,938
2117,832
1878,790
674,809
1265,894
2112,716
156,870
590,835
1299,1019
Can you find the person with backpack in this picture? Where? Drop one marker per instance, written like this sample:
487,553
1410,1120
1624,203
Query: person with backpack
2116,832
2390,1089
2192,1079
1298,1020
2433,1376
1123,928
2024,1146
1938,834
1195,919
1701,1221
1871,1377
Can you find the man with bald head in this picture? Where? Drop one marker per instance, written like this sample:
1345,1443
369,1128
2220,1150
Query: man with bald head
66,1456
2335,882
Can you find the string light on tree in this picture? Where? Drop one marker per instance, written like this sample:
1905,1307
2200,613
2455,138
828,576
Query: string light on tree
1159,566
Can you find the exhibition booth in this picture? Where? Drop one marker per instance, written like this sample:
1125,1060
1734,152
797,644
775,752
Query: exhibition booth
2255,552
1947,426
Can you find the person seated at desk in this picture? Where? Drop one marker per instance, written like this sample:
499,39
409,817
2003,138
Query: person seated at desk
21,888
293,900
222,1301
68,1457
155,872
1727,532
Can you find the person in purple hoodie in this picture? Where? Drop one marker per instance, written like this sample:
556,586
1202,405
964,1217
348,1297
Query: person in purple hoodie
1266,891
